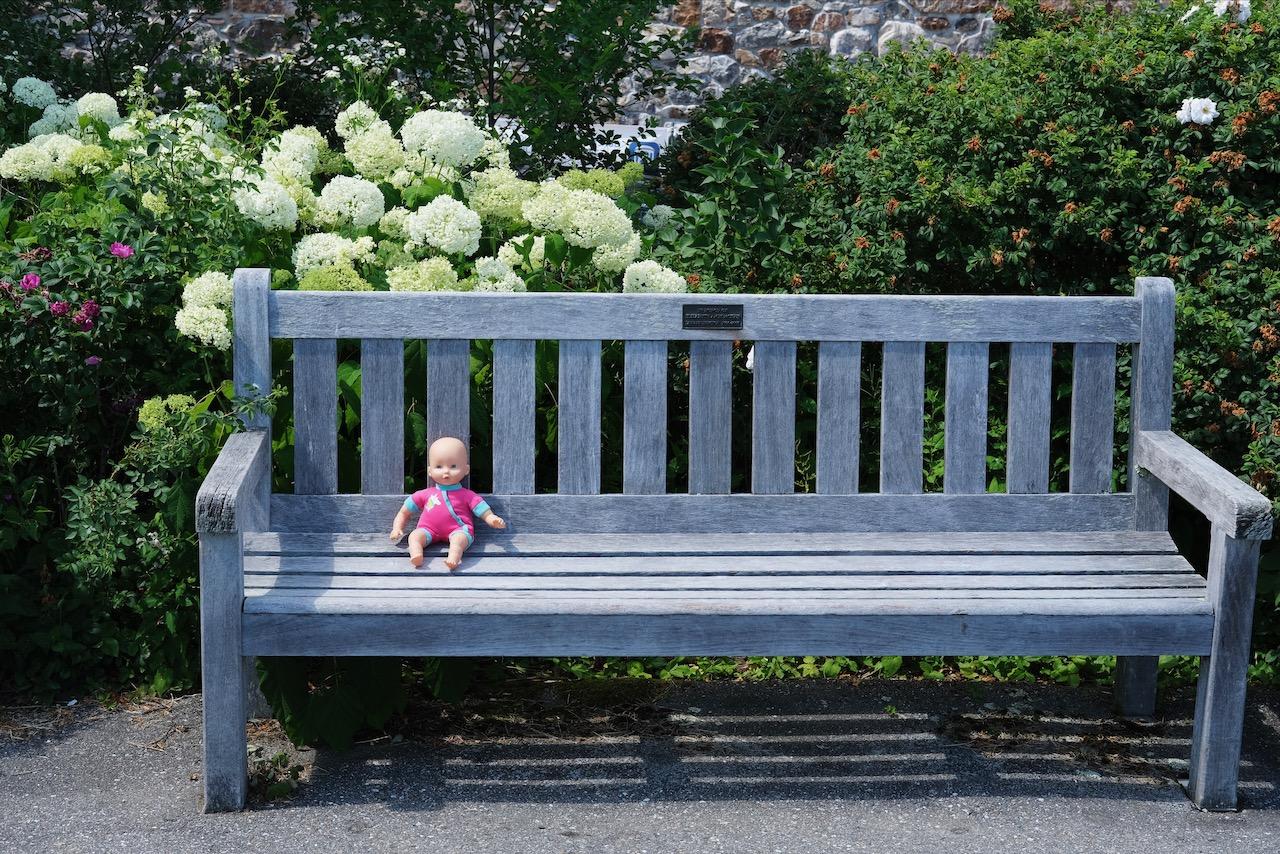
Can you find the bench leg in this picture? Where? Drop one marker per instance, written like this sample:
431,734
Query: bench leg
256,706
1220,693
222,672
1135,684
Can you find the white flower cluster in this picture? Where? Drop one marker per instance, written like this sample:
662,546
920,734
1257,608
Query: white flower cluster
444,138
1242,9
652,277
330,250
587,219
206,300
33,92
64,116
268,203
510,252
498,194
356,119
48,157
494,274
294,155
352,200
433,274
658,216
445,223
375,153
1202,111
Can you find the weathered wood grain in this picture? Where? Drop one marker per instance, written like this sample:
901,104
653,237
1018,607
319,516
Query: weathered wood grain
236,493
225,773
773,418
644,427
572,543
710,416
739,512
1220,696
902,418
381,415
839,416
514,416
449,389
315,416
1071,630
629,317
1093,410
578,422
1228,502
251,342
965,454
1152,394
1030,393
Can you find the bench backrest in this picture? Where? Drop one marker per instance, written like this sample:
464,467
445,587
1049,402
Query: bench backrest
968,325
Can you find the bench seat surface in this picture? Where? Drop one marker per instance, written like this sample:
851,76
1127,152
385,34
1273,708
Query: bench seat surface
640,594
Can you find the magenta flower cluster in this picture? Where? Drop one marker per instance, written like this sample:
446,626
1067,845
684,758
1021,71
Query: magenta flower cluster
121,250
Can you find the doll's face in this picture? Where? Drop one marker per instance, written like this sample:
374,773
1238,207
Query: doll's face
447,461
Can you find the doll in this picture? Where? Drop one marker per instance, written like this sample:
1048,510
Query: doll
447,508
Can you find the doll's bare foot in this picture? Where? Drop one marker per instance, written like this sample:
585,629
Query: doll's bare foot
417,542
457,545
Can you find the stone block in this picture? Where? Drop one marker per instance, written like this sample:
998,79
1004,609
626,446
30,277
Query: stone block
715,40
799,17
899,31
953,7
851,41
760,35
934,22
687,13
827,22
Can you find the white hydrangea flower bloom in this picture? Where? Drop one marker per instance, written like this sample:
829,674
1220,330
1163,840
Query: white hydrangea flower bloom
100,106
447,138
204,323
125,132
57,118
295,154
652,277
593,219
611,258
267,203
1202,111
447,224
392,222
494,274
658,216
1243,8
45,158
376,153
495,153
499,194
547,210
433,274
355,119
211,289
353,200
33,92
751,358
510,253
325,249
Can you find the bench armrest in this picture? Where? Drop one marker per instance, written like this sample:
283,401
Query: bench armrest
1239,509
235,494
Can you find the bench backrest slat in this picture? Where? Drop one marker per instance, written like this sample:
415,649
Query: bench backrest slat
251,344
1093,412
839,418
773,418
710,416
514,416
902,418
965,452
1030,395
898,329
578,424
1153,391
381,416
315,416
644,427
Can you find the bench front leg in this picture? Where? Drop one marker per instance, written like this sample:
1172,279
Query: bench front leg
1220,692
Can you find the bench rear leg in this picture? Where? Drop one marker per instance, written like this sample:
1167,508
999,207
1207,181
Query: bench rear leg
226,772
1220,693
1135,684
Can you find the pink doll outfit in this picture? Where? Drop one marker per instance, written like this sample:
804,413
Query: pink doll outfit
446,509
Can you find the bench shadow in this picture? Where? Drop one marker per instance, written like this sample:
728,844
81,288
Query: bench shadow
797,755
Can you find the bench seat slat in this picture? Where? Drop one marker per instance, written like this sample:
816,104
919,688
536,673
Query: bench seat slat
988,627
737,564
569,543
737,512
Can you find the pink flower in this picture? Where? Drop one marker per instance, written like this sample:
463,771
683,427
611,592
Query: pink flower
90,309
93,361
30,282
121,250
59,308
81,320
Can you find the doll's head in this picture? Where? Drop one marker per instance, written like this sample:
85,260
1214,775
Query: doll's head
447,461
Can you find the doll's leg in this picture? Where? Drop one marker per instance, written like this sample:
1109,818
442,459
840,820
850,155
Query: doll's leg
458,542
417,542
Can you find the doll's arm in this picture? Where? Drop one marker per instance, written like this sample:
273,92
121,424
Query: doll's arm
493,520
397,527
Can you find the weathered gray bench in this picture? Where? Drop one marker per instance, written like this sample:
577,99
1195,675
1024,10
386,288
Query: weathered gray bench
898,571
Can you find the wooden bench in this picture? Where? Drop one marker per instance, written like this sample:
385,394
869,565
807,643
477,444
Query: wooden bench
896,571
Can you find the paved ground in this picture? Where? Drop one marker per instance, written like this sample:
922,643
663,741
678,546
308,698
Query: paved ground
802,766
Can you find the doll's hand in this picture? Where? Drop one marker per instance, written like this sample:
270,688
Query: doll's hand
396,534
496,521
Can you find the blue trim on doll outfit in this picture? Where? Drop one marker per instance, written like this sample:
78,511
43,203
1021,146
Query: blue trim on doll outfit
448,505
481,509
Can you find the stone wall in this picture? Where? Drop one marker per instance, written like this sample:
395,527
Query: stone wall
736,39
